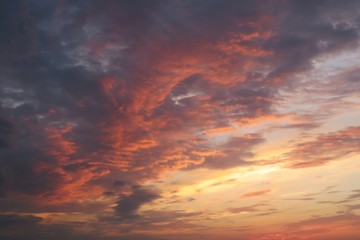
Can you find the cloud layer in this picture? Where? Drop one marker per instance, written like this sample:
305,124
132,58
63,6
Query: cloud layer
101,101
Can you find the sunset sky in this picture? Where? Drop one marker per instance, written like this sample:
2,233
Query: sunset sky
179,120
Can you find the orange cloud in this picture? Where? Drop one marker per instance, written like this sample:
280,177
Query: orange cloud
258,193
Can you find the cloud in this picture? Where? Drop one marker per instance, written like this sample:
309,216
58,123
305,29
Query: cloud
323,149
177,220
98,101
17,220
127,206
333,227
6,130
251,208
301,199
258,193
30,171
2,183
228,181
351,208
99,97
355,195
311,30
321,222
233,152
18,41
62,231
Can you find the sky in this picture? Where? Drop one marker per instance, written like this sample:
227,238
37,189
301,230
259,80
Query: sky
179,120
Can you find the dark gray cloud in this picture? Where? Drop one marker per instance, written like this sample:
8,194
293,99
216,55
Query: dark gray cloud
307,30
17,220
2,187
22,170
6,131
128,205
32,229
17,40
